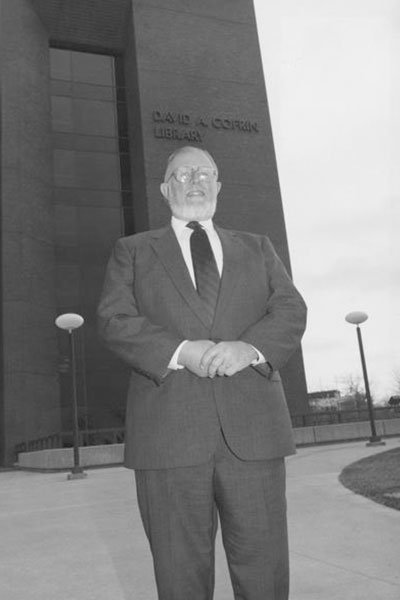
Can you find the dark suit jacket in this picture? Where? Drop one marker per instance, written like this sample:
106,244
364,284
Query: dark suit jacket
149,305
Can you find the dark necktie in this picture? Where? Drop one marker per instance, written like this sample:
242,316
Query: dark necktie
205,268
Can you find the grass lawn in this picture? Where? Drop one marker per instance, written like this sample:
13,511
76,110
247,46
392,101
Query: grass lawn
377,477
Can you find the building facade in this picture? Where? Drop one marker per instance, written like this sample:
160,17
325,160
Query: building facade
95,94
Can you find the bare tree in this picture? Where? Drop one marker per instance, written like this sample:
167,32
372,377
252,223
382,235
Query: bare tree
353,394
394,399
396,380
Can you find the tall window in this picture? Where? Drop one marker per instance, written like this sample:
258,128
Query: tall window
92,200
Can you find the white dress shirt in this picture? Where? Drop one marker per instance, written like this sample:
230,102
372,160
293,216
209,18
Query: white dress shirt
183,234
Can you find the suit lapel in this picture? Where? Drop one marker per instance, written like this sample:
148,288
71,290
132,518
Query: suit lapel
233,264
169,253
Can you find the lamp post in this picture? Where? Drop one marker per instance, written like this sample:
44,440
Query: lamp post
356,318
69,322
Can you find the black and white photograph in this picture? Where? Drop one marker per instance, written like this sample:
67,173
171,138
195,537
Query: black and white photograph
199,299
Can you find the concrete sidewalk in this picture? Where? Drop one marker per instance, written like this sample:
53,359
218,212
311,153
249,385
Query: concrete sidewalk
83,540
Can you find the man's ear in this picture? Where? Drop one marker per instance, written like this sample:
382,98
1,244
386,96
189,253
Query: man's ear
219,185
164,189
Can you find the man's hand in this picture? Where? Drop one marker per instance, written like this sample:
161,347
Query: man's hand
191,353
227,358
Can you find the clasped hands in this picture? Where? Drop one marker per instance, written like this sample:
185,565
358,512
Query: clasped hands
205,358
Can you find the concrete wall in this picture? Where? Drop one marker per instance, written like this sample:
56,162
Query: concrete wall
30,406
323,434
199,70
62,458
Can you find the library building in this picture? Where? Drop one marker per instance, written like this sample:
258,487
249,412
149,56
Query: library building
95,95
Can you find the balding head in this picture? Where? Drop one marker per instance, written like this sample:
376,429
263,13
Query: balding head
184,150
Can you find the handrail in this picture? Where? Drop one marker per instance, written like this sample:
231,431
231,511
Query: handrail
64,439
334,417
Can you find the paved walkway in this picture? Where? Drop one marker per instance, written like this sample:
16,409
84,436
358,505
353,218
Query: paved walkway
82,539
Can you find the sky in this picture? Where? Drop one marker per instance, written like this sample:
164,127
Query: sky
332,75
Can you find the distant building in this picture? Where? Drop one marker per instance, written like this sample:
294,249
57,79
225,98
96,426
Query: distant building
324,400
394,400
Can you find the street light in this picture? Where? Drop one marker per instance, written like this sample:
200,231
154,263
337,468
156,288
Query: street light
356,318
69,322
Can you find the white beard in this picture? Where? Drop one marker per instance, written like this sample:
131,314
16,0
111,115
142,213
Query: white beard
194,212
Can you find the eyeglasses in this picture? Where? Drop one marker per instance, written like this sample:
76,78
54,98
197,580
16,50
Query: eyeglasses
185,174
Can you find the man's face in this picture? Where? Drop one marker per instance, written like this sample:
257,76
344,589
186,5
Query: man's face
191,187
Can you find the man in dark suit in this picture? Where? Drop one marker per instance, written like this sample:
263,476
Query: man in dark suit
205,317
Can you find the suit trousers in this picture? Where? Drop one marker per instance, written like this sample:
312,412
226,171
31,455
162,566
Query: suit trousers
180,507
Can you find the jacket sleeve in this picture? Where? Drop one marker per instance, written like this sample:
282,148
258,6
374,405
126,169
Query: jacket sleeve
145,346
278,334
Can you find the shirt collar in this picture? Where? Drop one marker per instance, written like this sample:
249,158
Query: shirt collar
179,225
